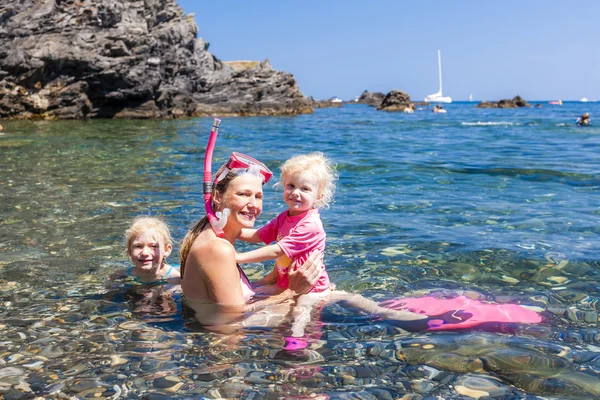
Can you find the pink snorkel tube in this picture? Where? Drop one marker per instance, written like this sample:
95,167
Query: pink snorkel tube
216,221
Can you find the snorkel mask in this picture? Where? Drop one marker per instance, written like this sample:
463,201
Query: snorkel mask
239,163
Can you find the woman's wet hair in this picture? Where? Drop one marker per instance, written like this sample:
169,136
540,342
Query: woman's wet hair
145,223
201,225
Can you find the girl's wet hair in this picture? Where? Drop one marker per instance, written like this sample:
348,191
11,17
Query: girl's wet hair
144,223
320,166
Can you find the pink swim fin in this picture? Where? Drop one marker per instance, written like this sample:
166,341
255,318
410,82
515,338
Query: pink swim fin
482,312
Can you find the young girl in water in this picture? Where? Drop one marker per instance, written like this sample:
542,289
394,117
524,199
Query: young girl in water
149,244
308,183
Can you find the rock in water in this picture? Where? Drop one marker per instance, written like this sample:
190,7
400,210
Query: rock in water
517,101
72,59
373,99
395,100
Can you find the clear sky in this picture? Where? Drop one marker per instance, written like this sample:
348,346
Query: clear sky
539,49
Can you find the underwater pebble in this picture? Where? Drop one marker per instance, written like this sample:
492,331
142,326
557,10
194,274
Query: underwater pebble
257,377
576,315
14,357
167,382
35,365
117,360
11,371
85,385
480,386
509,279
590,316
422,371
56,388
465,391
394,251
558,279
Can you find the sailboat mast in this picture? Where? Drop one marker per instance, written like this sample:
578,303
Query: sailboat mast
440,70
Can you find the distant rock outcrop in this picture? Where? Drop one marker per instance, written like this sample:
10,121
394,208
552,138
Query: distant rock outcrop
65,59
518,101
372,99
395,100
327,104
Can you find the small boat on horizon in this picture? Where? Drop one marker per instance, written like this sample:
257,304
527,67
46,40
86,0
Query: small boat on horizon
438,97
584,100
556,102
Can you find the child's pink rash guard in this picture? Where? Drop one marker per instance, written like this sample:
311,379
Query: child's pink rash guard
297,236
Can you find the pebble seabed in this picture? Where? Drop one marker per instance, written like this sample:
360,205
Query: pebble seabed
78,342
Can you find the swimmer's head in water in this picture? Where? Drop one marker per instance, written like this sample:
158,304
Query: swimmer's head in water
146,224
586,115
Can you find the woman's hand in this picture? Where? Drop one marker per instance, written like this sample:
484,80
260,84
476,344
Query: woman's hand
305,277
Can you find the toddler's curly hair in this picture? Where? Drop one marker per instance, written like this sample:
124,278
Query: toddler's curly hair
318,164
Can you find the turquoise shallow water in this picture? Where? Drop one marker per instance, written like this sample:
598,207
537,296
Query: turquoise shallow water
503,203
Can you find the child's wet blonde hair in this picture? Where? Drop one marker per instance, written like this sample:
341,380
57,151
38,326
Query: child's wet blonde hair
322,167
144,223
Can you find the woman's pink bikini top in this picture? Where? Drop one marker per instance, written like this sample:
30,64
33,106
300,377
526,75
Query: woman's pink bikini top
247,291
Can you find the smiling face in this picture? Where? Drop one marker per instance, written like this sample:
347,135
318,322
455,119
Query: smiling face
148,252
300,192
244,198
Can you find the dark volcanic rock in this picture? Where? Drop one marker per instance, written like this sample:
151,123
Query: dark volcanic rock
395,100
518,101
64,59
373,99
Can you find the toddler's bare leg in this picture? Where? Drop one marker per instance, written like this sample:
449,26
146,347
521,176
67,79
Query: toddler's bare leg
369,306
302,310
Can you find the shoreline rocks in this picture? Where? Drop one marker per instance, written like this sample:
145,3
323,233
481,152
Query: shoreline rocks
372,99
327,104
66,59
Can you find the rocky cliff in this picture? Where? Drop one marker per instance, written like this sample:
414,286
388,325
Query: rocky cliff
65,59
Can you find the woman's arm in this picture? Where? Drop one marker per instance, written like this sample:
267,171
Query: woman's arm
265,253
301,281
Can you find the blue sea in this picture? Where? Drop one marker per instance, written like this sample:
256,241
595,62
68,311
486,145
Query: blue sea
497,204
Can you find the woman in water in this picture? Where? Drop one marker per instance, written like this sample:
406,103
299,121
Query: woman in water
214,285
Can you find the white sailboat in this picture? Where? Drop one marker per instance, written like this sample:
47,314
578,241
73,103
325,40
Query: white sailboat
438,97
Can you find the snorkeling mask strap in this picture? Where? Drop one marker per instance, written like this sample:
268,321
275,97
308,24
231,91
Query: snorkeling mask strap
218,220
